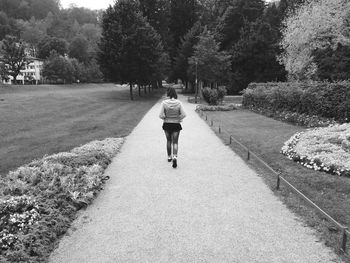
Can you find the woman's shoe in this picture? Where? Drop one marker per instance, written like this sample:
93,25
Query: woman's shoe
170,159
174,163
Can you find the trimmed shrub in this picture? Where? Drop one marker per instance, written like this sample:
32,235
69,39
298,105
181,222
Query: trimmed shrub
322,99
213,96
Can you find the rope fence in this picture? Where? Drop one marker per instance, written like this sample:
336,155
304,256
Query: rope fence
279,178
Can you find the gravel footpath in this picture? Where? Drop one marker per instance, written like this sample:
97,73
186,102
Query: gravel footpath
212,208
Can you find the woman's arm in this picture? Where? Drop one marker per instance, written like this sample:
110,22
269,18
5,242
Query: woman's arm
162,112
182,112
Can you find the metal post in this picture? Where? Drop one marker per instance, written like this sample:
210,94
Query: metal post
206,117
344,239
211,123
230,139
195,99
278,182
219,129
248,155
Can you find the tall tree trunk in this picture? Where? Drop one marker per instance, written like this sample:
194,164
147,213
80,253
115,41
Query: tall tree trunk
138,85
159,82
145,87
131,95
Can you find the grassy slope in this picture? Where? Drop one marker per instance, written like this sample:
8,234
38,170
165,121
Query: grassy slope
40,120
265,137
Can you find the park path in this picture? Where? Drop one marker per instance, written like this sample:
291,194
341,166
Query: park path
212,208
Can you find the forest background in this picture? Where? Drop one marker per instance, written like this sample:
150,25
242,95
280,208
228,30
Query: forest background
240,38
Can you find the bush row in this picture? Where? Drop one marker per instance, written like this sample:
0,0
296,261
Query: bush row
328,100
39,200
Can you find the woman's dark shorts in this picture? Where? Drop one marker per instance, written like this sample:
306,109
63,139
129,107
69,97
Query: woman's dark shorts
172,127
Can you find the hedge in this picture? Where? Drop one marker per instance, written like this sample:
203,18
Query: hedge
323,99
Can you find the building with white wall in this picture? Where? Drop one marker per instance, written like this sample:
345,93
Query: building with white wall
31,74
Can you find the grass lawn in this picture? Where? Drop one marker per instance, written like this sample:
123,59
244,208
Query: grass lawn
46,119
265,137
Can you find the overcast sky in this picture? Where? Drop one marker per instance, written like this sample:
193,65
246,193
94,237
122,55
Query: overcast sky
94,4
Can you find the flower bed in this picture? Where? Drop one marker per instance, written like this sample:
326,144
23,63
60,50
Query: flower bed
322,149
227,107
295,118
38,201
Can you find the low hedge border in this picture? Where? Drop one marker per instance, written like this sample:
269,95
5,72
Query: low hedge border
227,107
294,117
38,201
322,99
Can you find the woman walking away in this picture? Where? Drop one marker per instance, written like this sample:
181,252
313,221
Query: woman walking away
172,113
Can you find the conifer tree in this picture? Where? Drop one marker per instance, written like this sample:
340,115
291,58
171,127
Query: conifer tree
131,49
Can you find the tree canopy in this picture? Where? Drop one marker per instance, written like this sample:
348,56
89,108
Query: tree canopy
131,49
210,64
315,25
13,57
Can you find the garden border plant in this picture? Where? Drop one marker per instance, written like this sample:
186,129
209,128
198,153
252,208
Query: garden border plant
330,155
40,200
309,104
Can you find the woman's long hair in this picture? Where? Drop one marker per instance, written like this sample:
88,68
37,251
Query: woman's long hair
172,93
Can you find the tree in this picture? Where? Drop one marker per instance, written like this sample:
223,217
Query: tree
14,56
79,49
32,32
254,56
48,44
58,68
157,14
186,50
81,15
25,9
230,24
131,50
316,25
183,15
3,72
333,65
5,27
210,64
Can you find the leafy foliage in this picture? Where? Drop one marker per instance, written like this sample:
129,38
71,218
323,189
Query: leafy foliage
131,50
186,50
315,25
14,57
58,68
78,49
183,15
230,24
333,65
214,95
211,65
254,56
39,200
328,100
49,44
25,9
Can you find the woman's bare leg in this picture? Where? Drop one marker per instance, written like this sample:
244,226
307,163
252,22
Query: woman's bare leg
175,140
168,143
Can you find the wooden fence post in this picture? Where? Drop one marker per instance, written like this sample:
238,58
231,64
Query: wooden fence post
344,239
278,182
